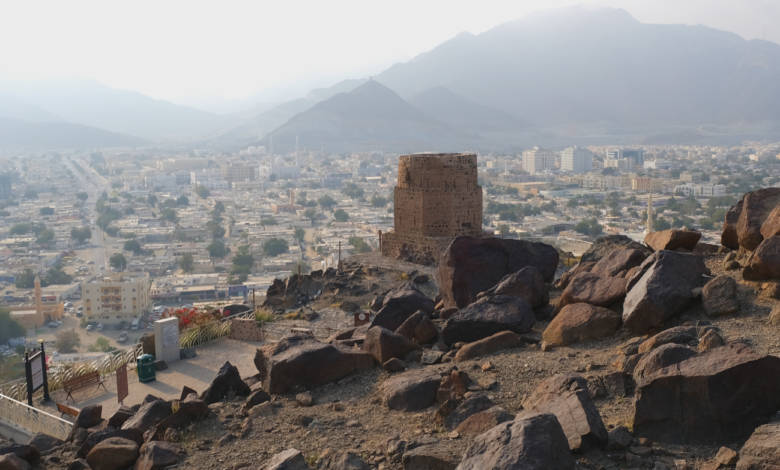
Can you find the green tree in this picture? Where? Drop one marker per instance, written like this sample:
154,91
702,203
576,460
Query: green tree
46,211
56,275
80,235
503,230
341,215
589,226
243,261
187,263
217,249
267,220
118,261
20,229
45,237
101,345
182,201
352,190
151,200
326,202
67,341
134,246
359,244
311,214
25,279
378,201
275,247
169,215
202,191
82,196
299,234
9,328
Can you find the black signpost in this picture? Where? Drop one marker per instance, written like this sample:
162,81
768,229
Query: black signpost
35,369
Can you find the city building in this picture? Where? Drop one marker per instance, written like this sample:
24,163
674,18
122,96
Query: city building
700,190
437,198
117,297
236,172
5,186
538,160
576,160
47,308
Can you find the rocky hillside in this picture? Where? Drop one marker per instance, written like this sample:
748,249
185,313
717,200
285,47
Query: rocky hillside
661,355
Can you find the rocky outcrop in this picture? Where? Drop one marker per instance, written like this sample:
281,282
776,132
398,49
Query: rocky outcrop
534,442
593,289
418,328
290,459
714,397
471,265
400,304
301,360
157,455
719,296
660,357
295,291
764,262
491,344
411,391
487,316
113,454
762,449
527,283
661,289
437,456
685,335
618,262
673,239
227,381
581,322
743,223
383,344
771,225
482,421
567,397
149,415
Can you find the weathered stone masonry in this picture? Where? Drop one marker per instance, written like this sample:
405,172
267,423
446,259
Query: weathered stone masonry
437,198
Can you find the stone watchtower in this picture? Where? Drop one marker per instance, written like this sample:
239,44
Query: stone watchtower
437,198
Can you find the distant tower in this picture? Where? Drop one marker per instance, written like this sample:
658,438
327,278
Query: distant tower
649,225
38,299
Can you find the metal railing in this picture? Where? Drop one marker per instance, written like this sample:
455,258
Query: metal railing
31,420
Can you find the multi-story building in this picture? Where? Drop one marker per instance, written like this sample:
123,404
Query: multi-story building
576,160
700,190
537,160
5,186
117,297
236,172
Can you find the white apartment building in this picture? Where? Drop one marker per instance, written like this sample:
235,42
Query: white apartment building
700,190
537,160
116,297
576,160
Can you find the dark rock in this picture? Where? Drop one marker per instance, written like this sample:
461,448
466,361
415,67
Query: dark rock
383,344
673,239
581,322
99,436
411,391
418,328
394,365
431,356
709,340
534,442
762,449
89,416
255,398
188,411
491,344
186,391
471,265
13,462
618,262
663,290
764,263
567,397
227,380
660,357
290,459
301,360
114,453
120,416
149,415
756,207
28,453
686,335
619,438
482,421
719,296
331,460
44,442
157,455
527,283
437,456
469,406
594,290
401,303
714,397
487,316
607,244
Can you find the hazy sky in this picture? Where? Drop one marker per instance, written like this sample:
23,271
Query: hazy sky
206,52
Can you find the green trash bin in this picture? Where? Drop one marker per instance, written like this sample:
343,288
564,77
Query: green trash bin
144,365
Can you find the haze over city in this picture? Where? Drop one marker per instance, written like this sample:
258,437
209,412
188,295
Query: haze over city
539,234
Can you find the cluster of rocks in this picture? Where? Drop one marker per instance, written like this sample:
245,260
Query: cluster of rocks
301,289
752,227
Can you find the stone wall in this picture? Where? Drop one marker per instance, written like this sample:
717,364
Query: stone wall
245,329
437,198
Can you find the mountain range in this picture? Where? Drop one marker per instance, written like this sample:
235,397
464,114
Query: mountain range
560,77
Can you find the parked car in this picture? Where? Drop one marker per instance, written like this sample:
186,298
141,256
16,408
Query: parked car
52,324
90,327
99,327
122,337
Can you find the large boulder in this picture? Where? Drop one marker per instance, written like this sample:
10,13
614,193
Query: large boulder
488,316
663,289
618,262
685,335
400,304
383,344
411,391
660,357
744,221
89,416
483,420
114,453
764,262
290,459
491,344
99,436
762,450
418,328
301,360
442,455
719,296
534,442
567,397
334,460
594,290
228,380
156,455
452,417
673,239
605,245
527,283
471,265
771,225
581,322
189,410
11,461
149,415
715,397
